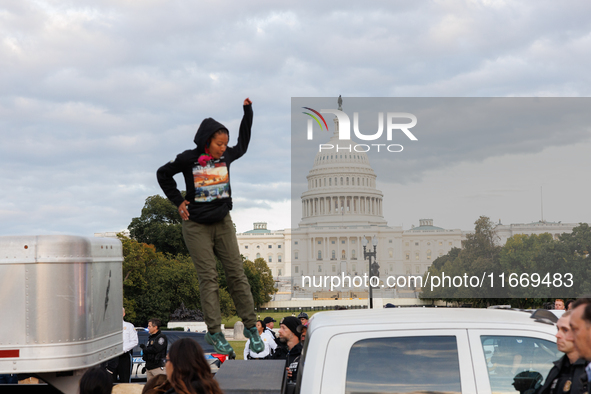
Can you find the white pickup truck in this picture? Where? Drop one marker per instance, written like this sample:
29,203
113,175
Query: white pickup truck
421,350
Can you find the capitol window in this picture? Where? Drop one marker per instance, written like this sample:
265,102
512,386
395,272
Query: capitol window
319,242
428,255
245,246
270,259
390,253
416,255
319,255
334,255
270,246
329,181
278,246
279,258
297,269
258,255
407,256
295,255
319,268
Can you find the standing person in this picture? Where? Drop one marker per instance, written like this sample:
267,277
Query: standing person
208,229
559,305
267,340
269,323
289,333
155,351
303,318
580,333
565,376
187,370
130,340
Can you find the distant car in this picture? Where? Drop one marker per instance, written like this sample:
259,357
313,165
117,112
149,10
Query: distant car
215,360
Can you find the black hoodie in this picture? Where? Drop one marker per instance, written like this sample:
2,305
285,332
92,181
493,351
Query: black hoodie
208,188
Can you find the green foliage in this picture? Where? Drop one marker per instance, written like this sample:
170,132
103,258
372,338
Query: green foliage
521,256
159,225
261,281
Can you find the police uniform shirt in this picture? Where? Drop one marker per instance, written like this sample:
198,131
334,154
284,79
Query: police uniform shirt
130,338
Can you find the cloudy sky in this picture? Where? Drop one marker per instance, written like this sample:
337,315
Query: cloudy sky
95,96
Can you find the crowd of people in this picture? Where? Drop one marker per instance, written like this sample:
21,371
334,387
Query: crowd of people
184,369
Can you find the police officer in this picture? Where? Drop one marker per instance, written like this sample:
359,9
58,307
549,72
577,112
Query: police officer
155,351
565,376
303,318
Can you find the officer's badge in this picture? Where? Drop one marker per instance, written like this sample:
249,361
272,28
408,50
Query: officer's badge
567,385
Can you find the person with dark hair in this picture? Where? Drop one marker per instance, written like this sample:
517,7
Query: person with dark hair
155,351
580,333
96,381
187,370
569,305
158,385
208,229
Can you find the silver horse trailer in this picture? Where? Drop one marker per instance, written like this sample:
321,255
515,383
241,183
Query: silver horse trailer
60,306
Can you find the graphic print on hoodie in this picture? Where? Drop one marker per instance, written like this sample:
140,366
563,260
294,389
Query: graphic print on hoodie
211,181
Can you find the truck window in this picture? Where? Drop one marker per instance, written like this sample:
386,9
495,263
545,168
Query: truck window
404,365
508,356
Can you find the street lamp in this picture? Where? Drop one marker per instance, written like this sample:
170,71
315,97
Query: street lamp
373,268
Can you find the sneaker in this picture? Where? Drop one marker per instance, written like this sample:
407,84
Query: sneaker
256,343
218,340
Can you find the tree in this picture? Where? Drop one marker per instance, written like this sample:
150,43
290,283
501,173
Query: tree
261,281
160,225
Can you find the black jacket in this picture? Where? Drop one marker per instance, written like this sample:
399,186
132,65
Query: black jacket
208,188
155,351
562,372
293,361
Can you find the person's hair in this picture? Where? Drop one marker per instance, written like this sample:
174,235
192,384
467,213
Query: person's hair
262,323
558,299
191,374
158,384
567,303
220,131
567,313
96,381
155,322
586,301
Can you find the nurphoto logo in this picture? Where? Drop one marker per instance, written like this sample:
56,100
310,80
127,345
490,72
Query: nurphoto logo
344,129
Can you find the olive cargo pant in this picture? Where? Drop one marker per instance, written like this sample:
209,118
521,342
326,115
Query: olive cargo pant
205,241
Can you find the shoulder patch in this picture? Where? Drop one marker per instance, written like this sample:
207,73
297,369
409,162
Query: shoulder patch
161,341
